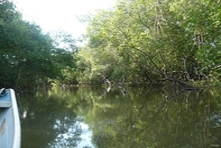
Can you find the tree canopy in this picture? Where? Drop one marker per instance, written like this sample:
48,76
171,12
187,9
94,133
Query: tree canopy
28,56
150,41
135,42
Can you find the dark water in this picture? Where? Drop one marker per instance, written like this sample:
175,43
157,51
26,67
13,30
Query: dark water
95,117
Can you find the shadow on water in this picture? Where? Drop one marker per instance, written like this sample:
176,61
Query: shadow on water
96,117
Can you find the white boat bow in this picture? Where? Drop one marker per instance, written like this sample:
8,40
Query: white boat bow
10,128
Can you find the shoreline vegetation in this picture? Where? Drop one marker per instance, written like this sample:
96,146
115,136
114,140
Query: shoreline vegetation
141,42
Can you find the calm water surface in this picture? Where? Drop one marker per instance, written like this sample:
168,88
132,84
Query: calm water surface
98,117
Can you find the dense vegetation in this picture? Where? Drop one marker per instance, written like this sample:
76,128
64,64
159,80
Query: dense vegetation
28,57
150,41
136,42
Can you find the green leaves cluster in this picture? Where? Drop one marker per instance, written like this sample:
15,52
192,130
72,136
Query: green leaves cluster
149,40
139,41
28,57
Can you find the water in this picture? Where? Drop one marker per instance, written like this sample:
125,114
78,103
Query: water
98,117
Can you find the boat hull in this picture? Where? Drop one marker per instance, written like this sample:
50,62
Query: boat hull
10,130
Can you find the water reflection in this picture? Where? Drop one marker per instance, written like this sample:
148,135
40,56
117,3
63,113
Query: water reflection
77,135
86,137
96,117
49,119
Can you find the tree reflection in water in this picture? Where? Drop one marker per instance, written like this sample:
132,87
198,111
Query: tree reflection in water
86,137
67,134
96,118
77,135
48,119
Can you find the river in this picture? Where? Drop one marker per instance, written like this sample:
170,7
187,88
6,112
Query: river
118,117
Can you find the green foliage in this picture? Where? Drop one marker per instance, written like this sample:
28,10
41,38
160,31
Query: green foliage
27,56
154,40
139,41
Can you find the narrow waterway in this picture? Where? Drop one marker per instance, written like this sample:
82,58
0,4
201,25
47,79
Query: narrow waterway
118,117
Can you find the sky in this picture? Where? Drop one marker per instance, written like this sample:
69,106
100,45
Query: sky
53,15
